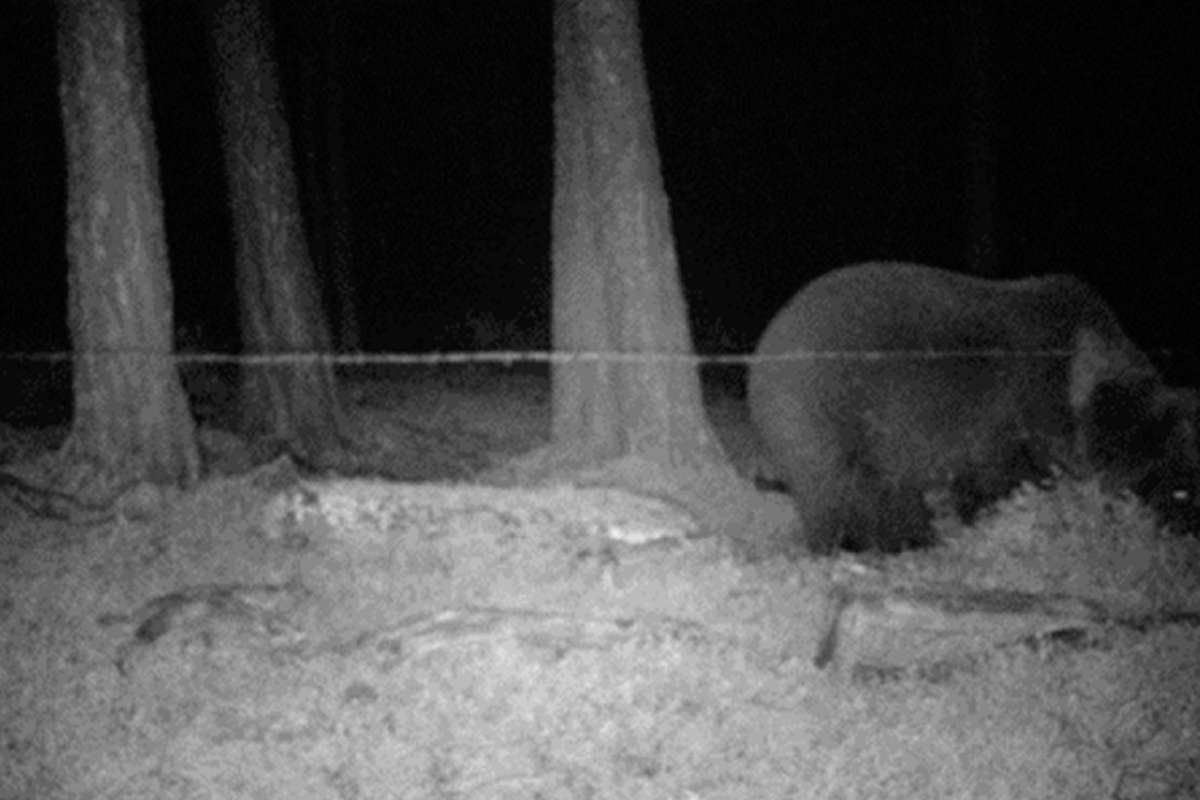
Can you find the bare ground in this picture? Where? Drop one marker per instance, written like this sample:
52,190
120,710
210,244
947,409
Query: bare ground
270,635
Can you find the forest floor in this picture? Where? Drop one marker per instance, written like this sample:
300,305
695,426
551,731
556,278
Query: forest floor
272,634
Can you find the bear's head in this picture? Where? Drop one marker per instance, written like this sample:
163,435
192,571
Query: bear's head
1141,435
1136,432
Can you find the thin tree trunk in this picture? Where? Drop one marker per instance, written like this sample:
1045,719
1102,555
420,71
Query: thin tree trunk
982,221
131,416
616,281
294,404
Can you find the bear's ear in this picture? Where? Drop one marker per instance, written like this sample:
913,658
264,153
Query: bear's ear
1091,363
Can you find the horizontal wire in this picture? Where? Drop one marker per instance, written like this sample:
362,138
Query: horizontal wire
523,356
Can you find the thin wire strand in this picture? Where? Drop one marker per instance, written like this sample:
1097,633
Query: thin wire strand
509,357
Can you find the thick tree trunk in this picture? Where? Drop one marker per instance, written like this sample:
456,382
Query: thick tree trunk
131,416
293,403
616,281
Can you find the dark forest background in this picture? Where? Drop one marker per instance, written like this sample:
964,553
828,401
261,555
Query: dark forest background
795,137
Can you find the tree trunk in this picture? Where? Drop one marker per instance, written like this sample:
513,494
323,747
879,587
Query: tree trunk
292,403
131,417
616,280
982,223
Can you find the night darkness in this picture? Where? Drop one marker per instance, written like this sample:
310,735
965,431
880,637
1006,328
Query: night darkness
795,137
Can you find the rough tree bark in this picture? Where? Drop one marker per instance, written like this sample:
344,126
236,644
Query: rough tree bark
293,404
616,280
131,419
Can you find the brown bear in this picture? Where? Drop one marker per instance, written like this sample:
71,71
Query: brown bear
880,382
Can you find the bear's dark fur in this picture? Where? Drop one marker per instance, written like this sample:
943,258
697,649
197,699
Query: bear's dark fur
911,379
